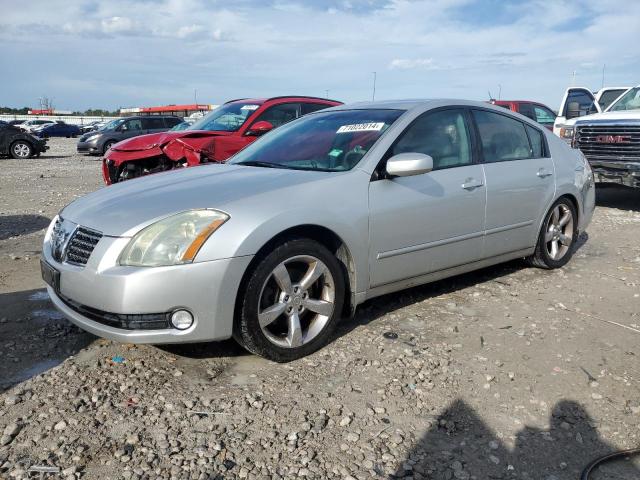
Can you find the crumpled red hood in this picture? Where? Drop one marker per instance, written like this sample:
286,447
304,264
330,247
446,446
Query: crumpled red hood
176,145
145,142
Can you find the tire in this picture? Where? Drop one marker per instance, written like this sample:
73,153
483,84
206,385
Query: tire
21,149
557,237
269,299
107,146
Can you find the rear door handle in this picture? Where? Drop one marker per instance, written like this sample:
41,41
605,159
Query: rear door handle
543,173
471,183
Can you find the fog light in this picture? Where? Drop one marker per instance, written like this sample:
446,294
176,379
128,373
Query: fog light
181,319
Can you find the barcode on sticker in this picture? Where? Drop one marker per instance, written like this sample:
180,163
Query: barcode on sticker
361,127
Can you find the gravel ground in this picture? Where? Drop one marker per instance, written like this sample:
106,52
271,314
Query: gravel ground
506,373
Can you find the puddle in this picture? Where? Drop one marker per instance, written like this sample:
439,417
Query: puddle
32,370
46,314
39,296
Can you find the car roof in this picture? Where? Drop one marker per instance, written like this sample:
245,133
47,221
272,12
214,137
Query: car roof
410,104
260,101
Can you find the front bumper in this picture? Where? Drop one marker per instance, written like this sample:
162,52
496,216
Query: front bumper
101,293
88,147
620,172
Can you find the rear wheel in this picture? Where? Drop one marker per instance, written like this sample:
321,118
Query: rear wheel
21,149
557,238
292,301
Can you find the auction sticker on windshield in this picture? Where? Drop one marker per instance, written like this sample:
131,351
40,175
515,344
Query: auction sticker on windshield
361,127
249,107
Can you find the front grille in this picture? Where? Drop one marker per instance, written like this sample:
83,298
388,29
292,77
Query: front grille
142,321
81,245
609,142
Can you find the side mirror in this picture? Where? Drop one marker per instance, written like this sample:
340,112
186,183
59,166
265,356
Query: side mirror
573,110
409,164
259,128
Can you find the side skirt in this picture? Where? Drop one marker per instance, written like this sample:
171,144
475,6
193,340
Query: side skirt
440,274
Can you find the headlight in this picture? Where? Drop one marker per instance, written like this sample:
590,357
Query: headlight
566,132
172,241
91,137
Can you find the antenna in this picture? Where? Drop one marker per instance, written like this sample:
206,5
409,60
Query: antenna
489,92
604,65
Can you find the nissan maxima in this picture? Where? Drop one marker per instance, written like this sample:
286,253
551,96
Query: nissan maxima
274,247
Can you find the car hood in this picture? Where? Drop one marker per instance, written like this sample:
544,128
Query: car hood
146,142
122,209
622,115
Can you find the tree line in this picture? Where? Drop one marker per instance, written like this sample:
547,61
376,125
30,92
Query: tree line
91,112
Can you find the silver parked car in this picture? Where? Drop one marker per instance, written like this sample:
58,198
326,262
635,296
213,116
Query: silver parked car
314,218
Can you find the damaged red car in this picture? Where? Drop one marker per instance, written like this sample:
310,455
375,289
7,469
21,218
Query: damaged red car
213,138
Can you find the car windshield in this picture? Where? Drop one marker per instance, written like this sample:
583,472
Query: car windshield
329,141
628,101
113,124
226,118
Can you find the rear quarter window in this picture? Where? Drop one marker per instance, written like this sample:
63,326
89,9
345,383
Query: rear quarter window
536,137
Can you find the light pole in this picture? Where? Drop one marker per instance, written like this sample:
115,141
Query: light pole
373,96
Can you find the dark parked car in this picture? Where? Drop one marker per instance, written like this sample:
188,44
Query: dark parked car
58,129
100,141
16,122
19,144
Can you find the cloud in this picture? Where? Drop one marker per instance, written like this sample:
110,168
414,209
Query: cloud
274,47
410,64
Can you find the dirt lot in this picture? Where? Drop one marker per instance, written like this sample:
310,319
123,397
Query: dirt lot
507,373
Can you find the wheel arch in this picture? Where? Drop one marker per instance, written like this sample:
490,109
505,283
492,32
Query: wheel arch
326,237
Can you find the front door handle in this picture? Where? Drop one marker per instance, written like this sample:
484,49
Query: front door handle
543,173
471,183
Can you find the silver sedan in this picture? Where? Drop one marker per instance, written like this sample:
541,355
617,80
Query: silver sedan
276,246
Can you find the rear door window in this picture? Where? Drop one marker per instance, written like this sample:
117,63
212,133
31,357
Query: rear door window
313,107
503,138
526,109
172,121
543,115
153,123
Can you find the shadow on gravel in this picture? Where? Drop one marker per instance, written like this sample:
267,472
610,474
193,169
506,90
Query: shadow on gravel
227,348
616,196
459,445
379,306
34,337
16,225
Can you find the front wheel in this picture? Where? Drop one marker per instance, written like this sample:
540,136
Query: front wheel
557,238
292,301
21,149
107,146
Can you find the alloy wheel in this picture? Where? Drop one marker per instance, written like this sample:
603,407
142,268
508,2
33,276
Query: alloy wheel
21,150
559,232
296,301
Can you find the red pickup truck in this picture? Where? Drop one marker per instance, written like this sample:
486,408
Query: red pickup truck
534,110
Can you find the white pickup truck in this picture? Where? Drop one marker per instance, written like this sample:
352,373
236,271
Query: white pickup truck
609,138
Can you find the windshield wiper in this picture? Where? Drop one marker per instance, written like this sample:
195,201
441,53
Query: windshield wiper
256,163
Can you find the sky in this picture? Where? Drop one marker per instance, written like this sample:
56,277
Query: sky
110,54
